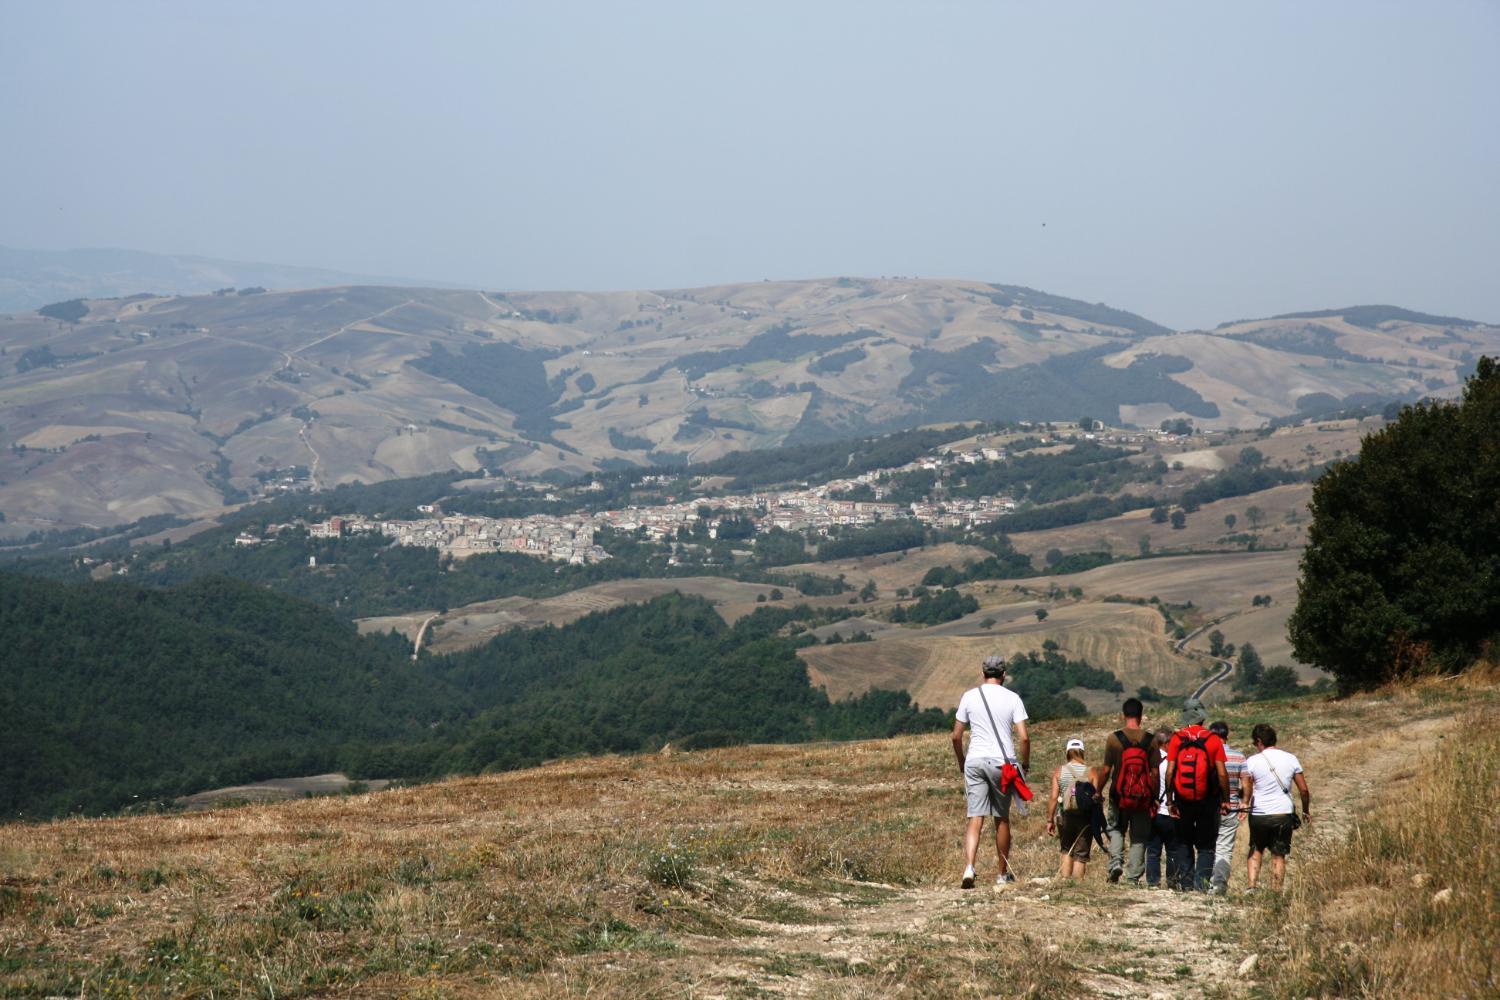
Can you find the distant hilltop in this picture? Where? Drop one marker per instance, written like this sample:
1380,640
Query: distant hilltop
122,408
30,279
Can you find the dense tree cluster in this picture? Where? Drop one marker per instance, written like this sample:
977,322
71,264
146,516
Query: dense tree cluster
886,536
1042,680
935,607
118,694
70,311
1084,468
1402,570
830,459
1239,480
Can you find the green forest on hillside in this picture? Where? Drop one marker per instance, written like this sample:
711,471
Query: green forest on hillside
118,694
1401,575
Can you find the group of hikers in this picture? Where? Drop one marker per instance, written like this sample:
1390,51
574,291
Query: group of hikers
1181,793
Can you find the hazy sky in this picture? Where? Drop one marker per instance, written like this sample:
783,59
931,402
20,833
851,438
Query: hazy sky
1191,162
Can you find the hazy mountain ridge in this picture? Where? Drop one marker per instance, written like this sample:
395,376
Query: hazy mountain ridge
156,404
30,279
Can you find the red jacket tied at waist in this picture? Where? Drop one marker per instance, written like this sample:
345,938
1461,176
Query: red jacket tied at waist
1011,781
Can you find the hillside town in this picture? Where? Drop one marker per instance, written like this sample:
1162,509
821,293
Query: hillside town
821,509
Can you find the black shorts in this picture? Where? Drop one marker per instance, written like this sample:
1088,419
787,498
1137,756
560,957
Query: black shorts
1271,833
1074,835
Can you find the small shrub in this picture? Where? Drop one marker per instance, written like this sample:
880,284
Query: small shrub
672,867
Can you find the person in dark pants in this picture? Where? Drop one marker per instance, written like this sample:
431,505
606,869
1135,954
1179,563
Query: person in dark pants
1125,783
1163,826
1198,786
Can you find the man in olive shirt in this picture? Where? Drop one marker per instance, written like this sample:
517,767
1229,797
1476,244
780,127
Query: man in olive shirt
1136,822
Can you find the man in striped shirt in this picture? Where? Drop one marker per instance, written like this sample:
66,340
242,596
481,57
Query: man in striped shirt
1234,766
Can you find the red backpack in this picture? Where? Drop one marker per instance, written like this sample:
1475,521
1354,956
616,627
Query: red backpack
1133,791
1196,779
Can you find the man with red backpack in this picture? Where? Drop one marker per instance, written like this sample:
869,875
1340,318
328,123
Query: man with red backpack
1198,790
1129,773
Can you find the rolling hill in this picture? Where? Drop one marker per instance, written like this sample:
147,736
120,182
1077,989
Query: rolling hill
814,871
118,409
29,279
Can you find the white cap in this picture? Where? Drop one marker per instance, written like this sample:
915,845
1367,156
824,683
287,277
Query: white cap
1074,744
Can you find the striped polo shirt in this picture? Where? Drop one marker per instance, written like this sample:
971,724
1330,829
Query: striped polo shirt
1234,769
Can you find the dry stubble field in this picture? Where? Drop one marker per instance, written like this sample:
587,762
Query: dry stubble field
475,624
820,871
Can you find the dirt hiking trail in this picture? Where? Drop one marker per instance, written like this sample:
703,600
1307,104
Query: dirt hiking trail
1060,938
825,870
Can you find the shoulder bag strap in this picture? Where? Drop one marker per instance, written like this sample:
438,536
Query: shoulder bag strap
1286,786
998,741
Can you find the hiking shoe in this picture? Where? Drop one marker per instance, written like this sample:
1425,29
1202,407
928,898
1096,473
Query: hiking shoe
968,882
1114,876
1004,878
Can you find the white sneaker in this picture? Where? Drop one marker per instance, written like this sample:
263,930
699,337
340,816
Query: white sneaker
968,882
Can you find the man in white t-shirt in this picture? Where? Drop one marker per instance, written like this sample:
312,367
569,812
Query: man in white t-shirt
989,712
1266,790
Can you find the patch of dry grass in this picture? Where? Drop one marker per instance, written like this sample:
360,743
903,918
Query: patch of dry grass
1408,904
823,870
549,881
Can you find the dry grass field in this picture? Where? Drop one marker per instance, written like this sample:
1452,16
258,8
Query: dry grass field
892,570
474,624
820,871
1307,444
938,663
1282,524
279,790
1222,586
1265,628
1218,583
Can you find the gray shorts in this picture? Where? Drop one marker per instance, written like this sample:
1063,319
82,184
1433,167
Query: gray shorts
982,785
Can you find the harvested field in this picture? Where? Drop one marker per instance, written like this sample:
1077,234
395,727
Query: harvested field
279,790
1307,444
1266,629
1218,583
891,570
474,624
939,663
1283,522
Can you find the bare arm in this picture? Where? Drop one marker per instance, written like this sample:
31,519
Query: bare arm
1247,792
1052,800
1023,746
1301,782
1171,795
958,742
1223,787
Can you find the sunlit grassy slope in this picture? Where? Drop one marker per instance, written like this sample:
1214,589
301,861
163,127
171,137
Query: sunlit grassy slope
824,870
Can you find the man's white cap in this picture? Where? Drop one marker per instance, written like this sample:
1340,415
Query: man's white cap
1074,744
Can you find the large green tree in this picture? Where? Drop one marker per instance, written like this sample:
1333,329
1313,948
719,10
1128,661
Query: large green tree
1402,570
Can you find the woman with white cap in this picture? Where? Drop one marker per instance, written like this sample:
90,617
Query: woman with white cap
1071,810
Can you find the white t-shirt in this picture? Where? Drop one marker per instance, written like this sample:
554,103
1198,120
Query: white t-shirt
1272,770
1162,803
1007,709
